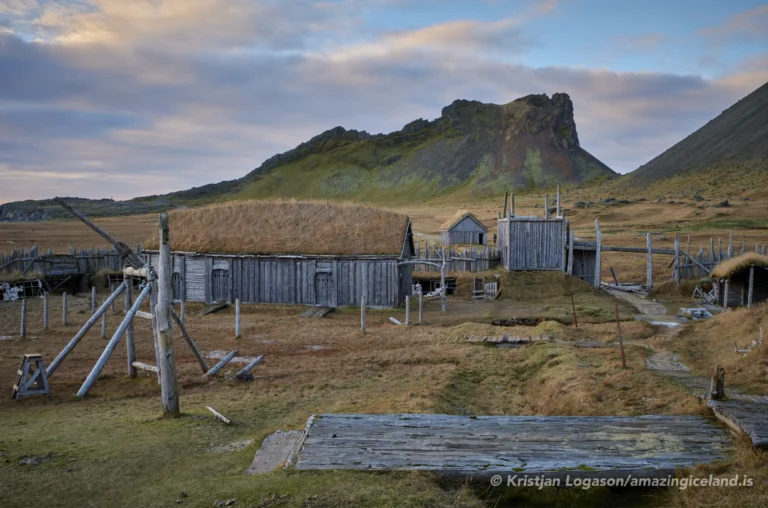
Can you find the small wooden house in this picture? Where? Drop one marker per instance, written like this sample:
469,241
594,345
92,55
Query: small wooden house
290,252
532,243
464,228
743,280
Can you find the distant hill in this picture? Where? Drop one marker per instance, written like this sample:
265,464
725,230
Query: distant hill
737,138
472,150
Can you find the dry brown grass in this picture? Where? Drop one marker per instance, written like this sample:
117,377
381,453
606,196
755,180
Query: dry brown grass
456,217
286,227
709,343
726,269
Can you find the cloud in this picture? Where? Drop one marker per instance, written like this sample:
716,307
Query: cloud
751,25
154,113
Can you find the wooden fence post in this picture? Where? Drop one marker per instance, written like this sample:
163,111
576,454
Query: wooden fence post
129,342
512,204
64,308
45,310
112,290
421,307
598,247
93,300
362,315
237,318
571,240
649,265
407,310
725,296
730,244
23,317
677,260
167,361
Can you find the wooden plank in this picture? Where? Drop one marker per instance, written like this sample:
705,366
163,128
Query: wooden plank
749,418
481,446
144,366
218,415
144,315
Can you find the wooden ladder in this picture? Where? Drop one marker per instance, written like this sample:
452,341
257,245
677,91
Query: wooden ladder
32,378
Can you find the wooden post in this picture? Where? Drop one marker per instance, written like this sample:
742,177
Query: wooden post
443,302
717,386
558,202
725,296
621,339
571,240
216,368
677,260
237,318
104,323
112,290
546,206
649,265
362,315
93,300
107,350
689,246
573,306
711,252
167,361
64,308
23,317
719,250
730,244
751,286
421,307
566,232
506,198
183,316
76,339
151,282
243,373
598,247
407,310
45,310
512,204
129,343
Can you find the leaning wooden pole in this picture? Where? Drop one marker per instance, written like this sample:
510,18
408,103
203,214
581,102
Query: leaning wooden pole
129,342
78,337
88,383
166,360
190,341
216,368
621,339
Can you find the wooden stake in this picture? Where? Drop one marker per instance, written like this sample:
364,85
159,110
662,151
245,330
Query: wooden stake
129,342
598,247
362,315
615,279
167,361
751,286
444,296
571,240
45,311
24,317
216,368
621,340
725,296
512,205
219,415
421,307
93,300
506,197
245,370
237,318
407,310
183,313
717,386
730,244
573,306
112,290
64,309
649,265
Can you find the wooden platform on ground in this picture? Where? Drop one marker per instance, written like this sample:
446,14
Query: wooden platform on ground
745,416
640,303
483,446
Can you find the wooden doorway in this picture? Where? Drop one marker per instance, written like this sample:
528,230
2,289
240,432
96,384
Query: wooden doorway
324,289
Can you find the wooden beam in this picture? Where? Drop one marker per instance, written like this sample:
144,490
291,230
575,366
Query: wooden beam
216,368
218,415
166,361
130,345
143,366
110,346
190,341
242,374
79,335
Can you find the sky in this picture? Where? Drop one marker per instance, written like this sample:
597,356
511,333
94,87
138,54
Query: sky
124,98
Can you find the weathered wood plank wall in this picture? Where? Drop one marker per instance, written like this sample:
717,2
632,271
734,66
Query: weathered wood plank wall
534,244
466,231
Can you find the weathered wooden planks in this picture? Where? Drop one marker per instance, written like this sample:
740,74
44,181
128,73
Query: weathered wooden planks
482,446
750,418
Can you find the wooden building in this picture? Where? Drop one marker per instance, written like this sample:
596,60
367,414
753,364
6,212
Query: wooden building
532,243
463,228
742,280
290,252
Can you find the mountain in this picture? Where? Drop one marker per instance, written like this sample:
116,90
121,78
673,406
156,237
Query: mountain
737,138
473,148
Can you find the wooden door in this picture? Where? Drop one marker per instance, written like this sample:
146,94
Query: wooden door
324,289
220,287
